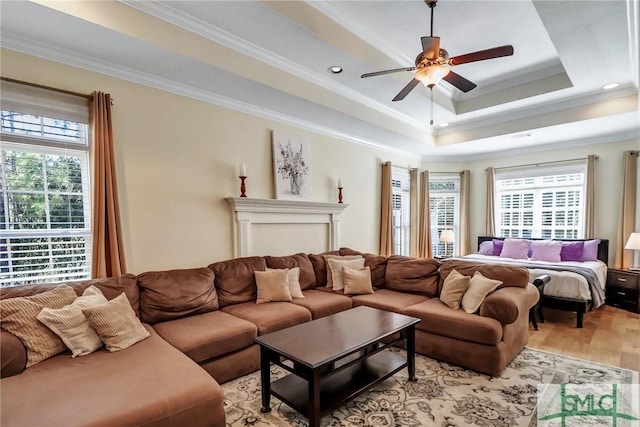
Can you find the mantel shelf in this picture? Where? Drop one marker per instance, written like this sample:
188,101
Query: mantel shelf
248,211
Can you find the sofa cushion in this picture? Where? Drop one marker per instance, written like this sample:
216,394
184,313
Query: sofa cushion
377,264
13,354
335,270
307,273
149,384
110,287
386,299
508,275
234,279
453,289
116,323
293,279
323,303
438,318
479,288
270,317
417,275
71,325
209,335
19,317
357,281
320,266
171,294
273,285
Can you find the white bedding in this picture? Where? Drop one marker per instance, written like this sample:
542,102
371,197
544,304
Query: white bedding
563,284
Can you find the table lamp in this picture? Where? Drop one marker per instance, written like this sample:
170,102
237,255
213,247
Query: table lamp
633,244
447,236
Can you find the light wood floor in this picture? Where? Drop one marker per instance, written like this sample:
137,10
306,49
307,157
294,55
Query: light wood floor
610,335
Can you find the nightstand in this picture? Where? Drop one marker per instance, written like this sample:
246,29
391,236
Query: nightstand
623,289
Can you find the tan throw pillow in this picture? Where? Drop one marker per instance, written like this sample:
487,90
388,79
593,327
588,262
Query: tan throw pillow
19,317
70,324
293,278
454,287
335,270
116,323
339,257
273,285
479,288
357,282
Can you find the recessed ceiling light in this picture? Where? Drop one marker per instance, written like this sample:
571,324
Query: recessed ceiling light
521,135
335,69
443,125
610,86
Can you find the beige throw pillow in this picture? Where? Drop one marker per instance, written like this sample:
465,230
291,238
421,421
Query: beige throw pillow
454,287
273,285
19,317
479,288
334,273
357,282
293,278
339,257
70,324
116,323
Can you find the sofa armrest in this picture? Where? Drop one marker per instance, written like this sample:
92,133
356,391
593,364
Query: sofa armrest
13,355
506,304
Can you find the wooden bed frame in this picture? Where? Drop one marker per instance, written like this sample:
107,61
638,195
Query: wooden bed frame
577,306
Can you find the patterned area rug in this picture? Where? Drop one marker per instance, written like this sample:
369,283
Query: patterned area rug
444,395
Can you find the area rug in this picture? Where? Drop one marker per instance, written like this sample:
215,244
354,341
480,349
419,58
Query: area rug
443,395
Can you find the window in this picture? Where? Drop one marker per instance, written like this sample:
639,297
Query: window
444,206
542,202
400,205
45,208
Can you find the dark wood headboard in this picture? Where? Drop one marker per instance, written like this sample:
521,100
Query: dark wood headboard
603,246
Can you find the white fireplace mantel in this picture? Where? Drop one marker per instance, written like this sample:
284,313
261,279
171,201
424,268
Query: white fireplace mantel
249,211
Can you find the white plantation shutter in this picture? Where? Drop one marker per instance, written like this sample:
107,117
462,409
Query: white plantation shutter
444,204
45,208
545,202
400,200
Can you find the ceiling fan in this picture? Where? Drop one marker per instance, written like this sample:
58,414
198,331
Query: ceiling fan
432,64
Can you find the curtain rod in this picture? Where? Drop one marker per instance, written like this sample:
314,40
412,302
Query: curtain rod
543,163
39,86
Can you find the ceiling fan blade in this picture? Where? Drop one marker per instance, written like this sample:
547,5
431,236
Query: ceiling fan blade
379,73
430,47
481,55
405,91
458,81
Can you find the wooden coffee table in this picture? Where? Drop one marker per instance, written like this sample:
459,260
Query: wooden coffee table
334,359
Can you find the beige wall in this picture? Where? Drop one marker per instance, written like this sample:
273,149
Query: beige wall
177,160
608,183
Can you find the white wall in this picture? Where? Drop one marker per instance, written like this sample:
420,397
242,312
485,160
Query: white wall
608,183
177,159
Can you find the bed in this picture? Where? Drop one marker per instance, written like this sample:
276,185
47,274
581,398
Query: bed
577,285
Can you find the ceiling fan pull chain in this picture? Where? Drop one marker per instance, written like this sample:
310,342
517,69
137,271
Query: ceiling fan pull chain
431,91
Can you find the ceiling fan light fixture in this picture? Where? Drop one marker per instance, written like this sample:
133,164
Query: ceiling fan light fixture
432,74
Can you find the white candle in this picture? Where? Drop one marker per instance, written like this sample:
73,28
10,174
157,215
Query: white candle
242,169
339,182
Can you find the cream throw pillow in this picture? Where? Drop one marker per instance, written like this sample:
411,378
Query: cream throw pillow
70,324
116,323
293,278
454,287
357,282
334,273
340,257
479,288
273,285
19,317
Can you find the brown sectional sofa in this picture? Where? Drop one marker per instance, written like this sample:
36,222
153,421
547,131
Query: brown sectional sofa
209,316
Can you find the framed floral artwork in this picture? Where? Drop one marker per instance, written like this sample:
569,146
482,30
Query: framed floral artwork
291,166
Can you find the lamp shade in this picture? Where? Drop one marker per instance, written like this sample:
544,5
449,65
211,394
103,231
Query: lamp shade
633,242
447,236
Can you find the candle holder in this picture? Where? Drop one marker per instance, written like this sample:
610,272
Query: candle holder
243,186
339,194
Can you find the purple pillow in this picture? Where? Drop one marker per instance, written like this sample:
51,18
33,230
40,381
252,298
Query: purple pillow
497,247
486,248
515,248
546,250
572,251
590,250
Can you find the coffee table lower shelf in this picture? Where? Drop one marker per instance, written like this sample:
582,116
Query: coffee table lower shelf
341,386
